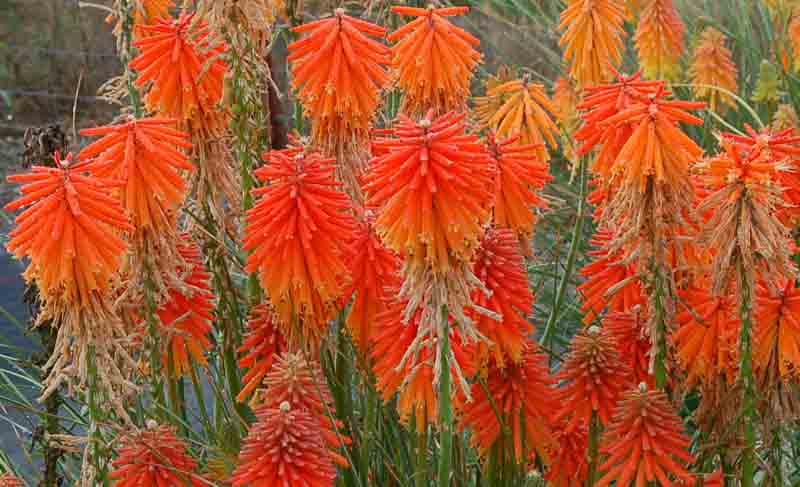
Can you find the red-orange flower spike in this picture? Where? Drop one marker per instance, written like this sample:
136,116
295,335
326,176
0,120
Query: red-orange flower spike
186,317
414,381
289,233
775,145
628,329
299,382
776,341
601,102
592,38
706,341
146,155
611,282
155,457
432,187
568,465
520,175
657,147
593,378
262,345
500,267
70,230
339,71
659,39
9,480
373,269
512,388
645,442
284,448
434,60
182,58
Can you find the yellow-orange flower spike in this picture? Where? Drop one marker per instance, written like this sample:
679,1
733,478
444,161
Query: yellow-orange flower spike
525,112
412,379
592,38
70,230
339,71
154,458
659,39
593,378
511,389
657,147
706,341
187,314
182,58
712,68
373,270
500,267
434,60
520,175
776,341
432,188
565,100
645,442
262,345
284,447
289,234
145,154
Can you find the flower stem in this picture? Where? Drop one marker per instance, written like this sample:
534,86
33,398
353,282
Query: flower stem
746,371
561,292
661,327
126,57
445,407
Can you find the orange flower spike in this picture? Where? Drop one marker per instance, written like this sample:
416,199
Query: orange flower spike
155,457
520,175
69,230
525,112
601,102
284,447
775,145
611,282
434,60
432,188
182,59
592,38
776,341
145,154
644,442
339,71
187,318
628,329
593,378
373,268
262,345
714,67
568,465
288,233
659,39
147,12
9,480
657,147
300,383
511,387
500,267
706,341
414,381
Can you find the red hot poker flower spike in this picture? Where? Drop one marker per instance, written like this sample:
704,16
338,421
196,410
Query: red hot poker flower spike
432,187
645,442
434,60
262,345
8,480
284,448
155,458
289,233
146,155
70,230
